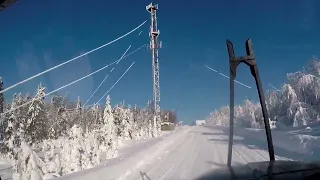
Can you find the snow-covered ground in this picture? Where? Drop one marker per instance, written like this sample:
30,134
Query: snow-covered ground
191,151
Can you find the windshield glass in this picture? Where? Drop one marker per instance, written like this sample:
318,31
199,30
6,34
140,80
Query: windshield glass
175,90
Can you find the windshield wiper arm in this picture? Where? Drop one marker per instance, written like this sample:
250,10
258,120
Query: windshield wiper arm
249,60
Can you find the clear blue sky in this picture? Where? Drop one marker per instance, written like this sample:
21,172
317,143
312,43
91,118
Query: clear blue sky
35,35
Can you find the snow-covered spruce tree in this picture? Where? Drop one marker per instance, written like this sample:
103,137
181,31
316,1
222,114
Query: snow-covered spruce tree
1,96
51,167
118,117
11,131
2,117
78,116
142,122
27,165
220,117
14,126
154,131
92,150
158,125
57,124
149,116
95,120
78,108
273,103
110,130
313,67
72,153
298,102
36,125
134,125
132,133
246,115
126,124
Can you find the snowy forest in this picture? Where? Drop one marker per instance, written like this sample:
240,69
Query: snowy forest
297,103
50,137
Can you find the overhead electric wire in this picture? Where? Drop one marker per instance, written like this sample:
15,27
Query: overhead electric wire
274,87
226,76
50,69
116,82
111,87
106,77
115,61
62,87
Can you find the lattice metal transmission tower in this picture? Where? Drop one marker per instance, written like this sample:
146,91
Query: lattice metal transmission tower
154,46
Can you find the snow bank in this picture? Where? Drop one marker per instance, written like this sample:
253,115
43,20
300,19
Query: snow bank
291,144
125,164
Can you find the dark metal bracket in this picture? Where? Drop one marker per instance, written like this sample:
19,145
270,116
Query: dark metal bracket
249,60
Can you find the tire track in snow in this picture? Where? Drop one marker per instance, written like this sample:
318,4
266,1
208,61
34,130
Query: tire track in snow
178,157
191,166
222,159
188,165
163,158
139,171
151,154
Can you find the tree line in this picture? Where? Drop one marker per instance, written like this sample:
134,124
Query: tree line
296,104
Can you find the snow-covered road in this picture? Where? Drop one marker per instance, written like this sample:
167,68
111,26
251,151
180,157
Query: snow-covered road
199,150
192,151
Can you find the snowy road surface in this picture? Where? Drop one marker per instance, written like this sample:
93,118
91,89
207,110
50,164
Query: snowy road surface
199,150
